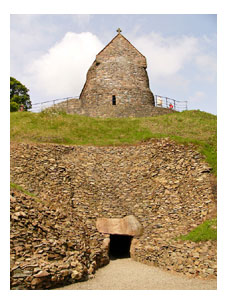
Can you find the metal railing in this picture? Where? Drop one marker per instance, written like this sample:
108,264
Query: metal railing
40,106
160,101
166,102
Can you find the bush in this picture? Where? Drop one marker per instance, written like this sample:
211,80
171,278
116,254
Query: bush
19,94
14,106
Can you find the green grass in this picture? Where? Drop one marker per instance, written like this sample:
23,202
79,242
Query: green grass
75,130
14,186
204,232
195,127
21,189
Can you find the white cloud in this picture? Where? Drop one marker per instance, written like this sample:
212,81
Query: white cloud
177,65
61,72
166,56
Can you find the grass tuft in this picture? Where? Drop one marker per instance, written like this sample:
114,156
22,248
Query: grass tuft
204,232
21,189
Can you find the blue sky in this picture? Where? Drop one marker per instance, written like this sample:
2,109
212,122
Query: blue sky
51,53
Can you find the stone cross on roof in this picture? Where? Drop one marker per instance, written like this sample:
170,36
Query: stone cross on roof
118,30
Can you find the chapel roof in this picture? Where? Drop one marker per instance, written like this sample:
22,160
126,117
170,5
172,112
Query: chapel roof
118,36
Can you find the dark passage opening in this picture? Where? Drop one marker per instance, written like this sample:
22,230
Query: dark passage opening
113,100
119,246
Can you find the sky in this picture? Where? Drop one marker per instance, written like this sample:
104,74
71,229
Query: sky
51,53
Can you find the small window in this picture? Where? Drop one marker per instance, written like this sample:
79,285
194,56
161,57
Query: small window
113,100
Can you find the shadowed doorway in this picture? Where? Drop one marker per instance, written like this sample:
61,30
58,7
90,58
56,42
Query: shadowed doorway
119,246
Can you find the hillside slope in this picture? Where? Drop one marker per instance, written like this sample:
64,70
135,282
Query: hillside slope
78,169
195,127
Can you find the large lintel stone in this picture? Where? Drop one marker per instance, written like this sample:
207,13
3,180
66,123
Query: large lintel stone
128,225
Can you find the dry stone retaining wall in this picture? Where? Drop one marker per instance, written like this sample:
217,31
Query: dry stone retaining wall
69,106
167,187
49,245
76,106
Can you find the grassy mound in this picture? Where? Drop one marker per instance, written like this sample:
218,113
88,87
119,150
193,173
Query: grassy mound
58,127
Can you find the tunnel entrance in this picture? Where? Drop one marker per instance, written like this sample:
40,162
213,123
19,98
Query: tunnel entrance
119,246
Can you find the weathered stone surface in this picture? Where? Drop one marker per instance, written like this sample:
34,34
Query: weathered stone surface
54,251
42,274
157,182
128,225
108,110
106,243
119,70
12,199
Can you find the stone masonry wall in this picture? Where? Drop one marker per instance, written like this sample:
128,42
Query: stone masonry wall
74,106
70,106
166,186
119,70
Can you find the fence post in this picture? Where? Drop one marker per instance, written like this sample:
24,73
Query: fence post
166,101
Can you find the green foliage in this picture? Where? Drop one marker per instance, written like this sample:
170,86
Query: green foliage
19,188
49,126
14,106
58,127
204,232
19,94
199,128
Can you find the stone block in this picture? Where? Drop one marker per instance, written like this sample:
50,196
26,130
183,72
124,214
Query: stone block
128,225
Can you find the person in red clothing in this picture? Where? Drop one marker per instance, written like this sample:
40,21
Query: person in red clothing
170,106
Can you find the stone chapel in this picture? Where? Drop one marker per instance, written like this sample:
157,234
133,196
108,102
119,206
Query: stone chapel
117,78
117,85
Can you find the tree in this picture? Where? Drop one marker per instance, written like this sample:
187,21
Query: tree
19,94
14,106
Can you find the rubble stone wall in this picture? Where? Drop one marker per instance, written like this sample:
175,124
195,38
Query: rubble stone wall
168,187
75,106
119,70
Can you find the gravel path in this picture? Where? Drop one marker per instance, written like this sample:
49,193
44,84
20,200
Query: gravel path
126,274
